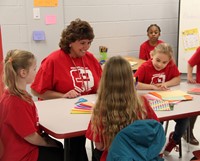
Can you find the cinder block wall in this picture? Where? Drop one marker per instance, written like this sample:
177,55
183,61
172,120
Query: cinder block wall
119,25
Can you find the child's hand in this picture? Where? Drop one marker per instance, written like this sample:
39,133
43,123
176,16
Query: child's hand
191,80
162,86
155,87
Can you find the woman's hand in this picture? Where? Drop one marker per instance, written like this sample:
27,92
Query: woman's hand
71,94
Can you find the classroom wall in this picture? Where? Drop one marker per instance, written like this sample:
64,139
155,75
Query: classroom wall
118,24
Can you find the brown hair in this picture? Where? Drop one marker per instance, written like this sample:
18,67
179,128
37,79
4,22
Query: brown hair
77,30
118,104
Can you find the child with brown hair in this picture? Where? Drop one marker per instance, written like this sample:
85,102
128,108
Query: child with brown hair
117,105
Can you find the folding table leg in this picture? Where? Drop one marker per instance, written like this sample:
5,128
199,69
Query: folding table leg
66,149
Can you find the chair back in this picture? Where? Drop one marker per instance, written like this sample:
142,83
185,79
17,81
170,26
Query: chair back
141,140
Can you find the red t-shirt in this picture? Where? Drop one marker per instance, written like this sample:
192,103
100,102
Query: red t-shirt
150,115
146,73
18,119
145,49
59,73
195,60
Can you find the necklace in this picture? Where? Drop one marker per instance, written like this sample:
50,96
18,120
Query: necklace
85,86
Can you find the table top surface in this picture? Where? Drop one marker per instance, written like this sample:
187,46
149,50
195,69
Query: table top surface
134,59
56,118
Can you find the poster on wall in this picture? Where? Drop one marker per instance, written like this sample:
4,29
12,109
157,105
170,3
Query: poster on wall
190,39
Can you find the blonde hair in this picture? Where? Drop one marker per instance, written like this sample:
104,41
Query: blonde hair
118,104
14,61
163,48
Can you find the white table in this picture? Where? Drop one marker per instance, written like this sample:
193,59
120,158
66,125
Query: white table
57,121
183,109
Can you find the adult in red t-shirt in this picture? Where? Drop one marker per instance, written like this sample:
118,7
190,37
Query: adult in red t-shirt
59,75
192,62
153,33
70,72
117,106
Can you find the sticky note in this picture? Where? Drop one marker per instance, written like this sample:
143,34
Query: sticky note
50,19
38,35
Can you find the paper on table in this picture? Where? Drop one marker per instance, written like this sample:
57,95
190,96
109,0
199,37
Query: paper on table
132,63
82,108
194,91
159,105
151,97
172,95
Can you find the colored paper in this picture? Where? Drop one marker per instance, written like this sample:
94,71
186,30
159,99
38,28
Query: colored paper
38,35
159,105
46,3
132,63
51,19
151,97
194,91
172,95
82,108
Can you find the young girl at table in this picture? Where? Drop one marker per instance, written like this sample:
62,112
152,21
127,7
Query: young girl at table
192,62
153,32
117,105
19,123
160,73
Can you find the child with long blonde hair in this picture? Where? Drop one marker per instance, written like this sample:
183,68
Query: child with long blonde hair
19,122
117,105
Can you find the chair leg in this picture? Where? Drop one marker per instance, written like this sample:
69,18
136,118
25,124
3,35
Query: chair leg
92,146
180,149
188,140
166,127
188,137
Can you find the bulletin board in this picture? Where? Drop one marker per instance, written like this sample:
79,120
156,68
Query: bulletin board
189,31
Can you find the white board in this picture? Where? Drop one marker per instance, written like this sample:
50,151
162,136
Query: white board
189,31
